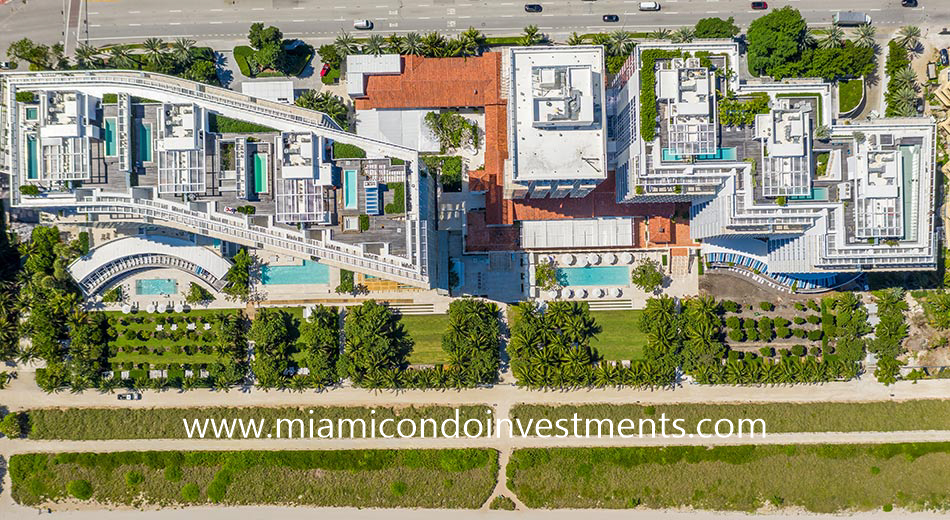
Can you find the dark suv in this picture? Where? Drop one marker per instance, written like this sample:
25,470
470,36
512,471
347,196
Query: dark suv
611,18
532,8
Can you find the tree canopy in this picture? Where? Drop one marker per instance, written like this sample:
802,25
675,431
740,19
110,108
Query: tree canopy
775,39
716,28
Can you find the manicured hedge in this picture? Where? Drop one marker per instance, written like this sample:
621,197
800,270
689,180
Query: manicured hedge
225,125
347,151
241,53
648,112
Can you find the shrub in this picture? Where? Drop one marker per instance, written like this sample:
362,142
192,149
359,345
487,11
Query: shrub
767,351
800,333
398,205
799,320
173,473
80,489
798,350
190,492
781,322
347,151
815,335
736,335
814,319
134,478
815,351
25,96
12,425
766,306
729,306
733,322
29,190
813,305
799,306
782,332
398,488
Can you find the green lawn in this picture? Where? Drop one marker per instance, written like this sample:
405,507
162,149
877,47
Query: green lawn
167,358
620,337
818,478
426,331
821,163
850,93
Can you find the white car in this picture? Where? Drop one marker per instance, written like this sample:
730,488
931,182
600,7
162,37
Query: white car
6,65
363,25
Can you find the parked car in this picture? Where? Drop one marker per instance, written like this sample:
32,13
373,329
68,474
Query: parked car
325,70
944,57
130,396
363,25
908,3
6,65
611,18
760,5
649,6
532,8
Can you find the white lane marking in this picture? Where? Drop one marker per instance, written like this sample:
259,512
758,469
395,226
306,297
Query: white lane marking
217,10
298,21
134,24
174,11
257,9
174,23
299,8
216,23
134,12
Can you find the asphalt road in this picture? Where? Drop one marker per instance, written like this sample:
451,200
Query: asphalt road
226,21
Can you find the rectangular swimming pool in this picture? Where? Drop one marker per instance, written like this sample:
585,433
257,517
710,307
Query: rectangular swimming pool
156,286
32,113
32,170
110,137
260,173
308,273
819,193
350,199
145,142
722,154
609,275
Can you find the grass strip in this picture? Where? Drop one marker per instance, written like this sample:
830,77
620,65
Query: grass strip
819,478
918,415
454,479
166,423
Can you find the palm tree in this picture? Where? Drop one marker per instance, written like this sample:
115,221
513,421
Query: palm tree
906,76
375,45
325,102
660,34
433,45
531,36
87,56
575,39
909,37
154,50
684,35
121,58
833,38
345,44
864,36
395,43
472,40
822,133
182,50
810,40
621,43
411,44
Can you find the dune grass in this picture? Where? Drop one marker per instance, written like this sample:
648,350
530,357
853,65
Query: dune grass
455,479
818,478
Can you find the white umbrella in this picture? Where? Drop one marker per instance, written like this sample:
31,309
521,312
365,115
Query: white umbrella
601,293
618,292
179,307
553,294
593,258
610,258
163,306
568,293
150,307
567,259
126,309
582,293
627,258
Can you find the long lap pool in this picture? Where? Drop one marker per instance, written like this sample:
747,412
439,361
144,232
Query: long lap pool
602,276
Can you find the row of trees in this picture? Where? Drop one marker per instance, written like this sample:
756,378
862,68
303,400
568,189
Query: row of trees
780,45
433,45
550,348
179,58
889,333
901,94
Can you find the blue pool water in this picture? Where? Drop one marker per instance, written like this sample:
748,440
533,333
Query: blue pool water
308,273
32,113
110,137
156,286
349,190
32,170
818,193
145,142
612,275
723,154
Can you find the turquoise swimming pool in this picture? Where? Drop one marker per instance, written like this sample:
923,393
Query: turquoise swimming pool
308,273
110,137
260,173
350,200
819,193
610,275
156,286
145,142
722,154
32,113
32,157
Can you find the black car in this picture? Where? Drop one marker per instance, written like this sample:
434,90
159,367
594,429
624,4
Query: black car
611,18
944,57
908,3
532,8
130,396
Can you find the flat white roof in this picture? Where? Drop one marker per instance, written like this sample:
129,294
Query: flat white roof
358,66
279,91
577,233
402,127
557,99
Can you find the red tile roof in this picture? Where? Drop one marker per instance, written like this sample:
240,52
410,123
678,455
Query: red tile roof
436,83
